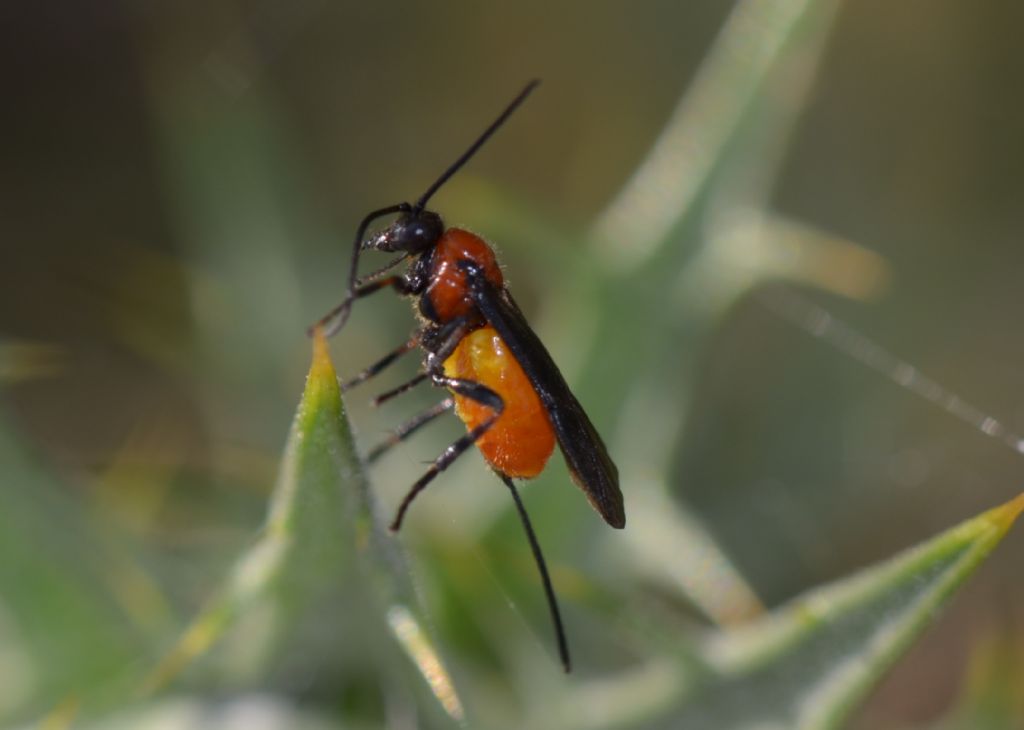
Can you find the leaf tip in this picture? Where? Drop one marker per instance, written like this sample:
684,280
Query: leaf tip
321,355
322,378
419,648
1005,515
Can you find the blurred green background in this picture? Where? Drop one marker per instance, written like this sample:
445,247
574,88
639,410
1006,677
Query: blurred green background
180,187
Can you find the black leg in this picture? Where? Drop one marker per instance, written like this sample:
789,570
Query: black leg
440,343
474,391
374,275
337,317
443,341
408,428
382,363
408,385
556,617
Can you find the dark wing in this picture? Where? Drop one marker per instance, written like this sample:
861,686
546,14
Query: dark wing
590,466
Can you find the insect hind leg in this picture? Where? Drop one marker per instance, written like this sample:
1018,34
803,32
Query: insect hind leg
468,389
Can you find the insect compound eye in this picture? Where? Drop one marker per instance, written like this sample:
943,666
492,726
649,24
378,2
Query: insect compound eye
427,228
411,233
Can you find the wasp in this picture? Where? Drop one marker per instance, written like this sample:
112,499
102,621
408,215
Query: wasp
503,383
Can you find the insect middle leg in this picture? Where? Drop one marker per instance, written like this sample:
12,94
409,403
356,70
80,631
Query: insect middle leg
407,429
407,385
383,363
442,342
468,389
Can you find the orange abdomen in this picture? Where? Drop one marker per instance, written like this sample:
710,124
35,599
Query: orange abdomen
522,439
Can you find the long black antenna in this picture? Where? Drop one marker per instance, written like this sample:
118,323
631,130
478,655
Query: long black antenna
549,591
464,158
336,318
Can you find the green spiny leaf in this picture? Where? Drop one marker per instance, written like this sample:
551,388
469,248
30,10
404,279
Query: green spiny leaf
806,664
321,515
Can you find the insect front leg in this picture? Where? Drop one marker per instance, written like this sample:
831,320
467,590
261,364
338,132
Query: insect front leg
337,317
